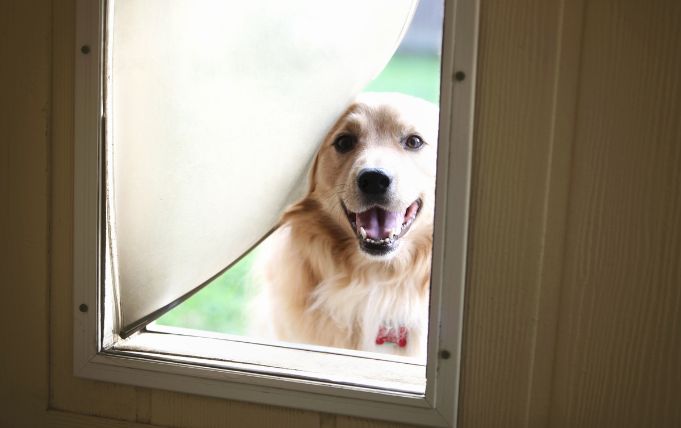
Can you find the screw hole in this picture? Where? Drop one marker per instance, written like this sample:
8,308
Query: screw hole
85,49
459,76
445,354
83,307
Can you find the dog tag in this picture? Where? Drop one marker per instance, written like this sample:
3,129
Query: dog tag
397,336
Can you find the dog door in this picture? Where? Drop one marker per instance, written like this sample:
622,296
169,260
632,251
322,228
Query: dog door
195,122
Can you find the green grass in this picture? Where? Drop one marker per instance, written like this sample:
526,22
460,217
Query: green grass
220,305
410,74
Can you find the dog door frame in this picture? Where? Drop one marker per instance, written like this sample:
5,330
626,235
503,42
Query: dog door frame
101,354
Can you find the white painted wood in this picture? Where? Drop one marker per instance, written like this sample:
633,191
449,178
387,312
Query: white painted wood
87,180
325,365
193,377
448,274
438,407
158,328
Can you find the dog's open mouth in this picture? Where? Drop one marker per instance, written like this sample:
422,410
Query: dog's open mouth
379,230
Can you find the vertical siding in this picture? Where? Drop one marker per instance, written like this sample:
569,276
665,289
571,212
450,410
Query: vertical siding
619,355
24,208
517,65
182,410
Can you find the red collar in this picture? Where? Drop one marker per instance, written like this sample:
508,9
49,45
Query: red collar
394,335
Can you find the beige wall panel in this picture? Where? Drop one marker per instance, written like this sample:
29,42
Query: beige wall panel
24,201
59,419
183,410
512,141
348,422
619,355
557,197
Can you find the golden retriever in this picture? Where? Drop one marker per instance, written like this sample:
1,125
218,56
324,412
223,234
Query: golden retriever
349,265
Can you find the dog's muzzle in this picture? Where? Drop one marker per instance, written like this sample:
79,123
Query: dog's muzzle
379,230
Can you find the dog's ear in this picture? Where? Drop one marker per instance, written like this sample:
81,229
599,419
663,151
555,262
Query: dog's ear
312,174
311,180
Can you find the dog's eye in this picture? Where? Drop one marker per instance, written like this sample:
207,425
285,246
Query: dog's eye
344,143
413,142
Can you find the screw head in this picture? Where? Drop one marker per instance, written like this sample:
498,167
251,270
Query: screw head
85,49
459,76
445,354
83,307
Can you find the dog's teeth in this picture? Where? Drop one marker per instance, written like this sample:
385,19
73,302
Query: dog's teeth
362,233
396,232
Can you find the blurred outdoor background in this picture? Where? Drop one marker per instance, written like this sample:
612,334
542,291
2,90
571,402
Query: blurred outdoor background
415,70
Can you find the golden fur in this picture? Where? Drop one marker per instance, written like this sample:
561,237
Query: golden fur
318,286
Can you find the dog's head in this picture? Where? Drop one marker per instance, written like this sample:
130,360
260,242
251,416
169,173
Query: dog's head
375,172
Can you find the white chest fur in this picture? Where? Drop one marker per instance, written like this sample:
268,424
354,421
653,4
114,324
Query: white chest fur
369,302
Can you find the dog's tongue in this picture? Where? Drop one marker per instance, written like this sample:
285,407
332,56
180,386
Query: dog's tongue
379,223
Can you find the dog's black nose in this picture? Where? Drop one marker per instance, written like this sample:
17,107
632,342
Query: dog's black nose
373,181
